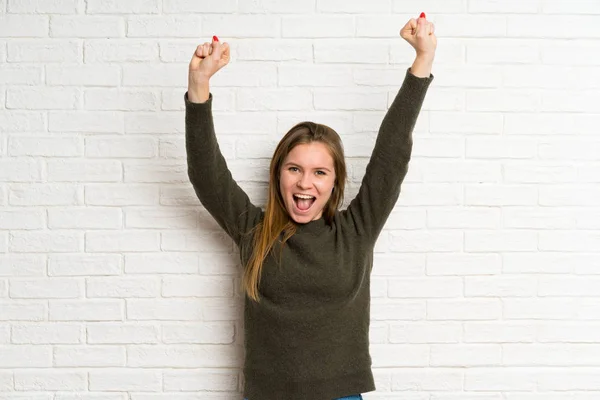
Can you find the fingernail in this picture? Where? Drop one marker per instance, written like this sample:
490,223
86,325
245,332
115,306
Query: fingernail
215,39
422,15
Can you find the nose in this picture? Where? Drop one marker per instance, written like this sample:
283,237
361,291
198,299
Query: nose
304,181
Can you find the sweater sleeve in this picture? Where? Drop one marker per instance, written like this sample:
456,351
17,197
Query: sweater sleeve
388,165
208,172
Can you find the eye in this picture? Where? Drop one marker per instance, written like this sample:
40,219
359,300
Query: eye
321,173
293,169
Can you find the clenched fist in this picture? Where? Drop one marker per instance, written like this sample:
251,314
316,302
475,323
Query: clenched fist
206,61
420,34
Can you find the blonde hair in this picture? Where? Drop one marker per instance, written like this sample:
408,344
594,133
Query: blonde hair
276,219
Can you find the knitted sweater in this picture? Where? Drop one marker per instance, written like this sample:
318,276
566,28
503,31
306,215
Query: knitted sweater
308,337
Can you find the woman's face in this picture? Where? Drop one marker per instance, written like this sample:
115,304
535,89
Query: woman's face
307,178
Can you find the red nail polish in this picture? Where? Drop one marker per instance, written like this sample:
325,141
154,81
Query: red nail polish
215,39
422,15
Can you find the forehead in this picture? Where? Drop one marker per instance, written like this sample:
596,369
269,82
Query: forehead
313,153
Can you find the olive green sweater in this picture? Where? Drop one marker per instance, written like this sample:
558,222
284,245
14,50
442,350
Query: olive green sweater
308,337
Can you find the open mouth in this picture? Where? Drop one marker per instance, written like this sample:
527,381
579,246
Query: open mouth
303,202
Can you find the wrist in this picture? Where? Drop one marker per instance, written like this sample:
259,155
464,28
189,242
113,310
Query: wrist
198,92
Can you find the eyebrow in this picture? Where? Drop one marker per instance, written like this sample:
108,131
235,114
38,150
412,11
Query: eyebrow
298,165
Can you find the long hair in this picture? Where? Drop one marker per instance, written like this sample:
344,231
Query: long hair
276,220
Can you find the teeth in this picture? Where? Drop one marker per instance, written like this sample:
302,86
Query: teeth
302,196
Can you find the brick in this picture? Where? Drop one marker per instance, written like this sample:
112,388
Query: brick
122,287
579,241
467,218
22,219
43,98
499,331
549,124
20,121
121,195
45,51
385,310
14,265
125,379
317,26
341,51
84,171
567,332
262,6
315,75
549,263
466,355
500,378
500,286
120,147
398,265
161,263
197,287
120,100
539,218
164,26
42,242
23,356
84,264
6,381
334,6
425,332
85,218
501,240
114,7
490,148
42,7
539,172
110,241
89,356
50,380
212,333
44,146
443,380
272,49
20,171
88,310
47,333
154,123
182,356
349,100
507,100
446,122
87,27
14,25
273,99
122,333
83,75
248,26
574,195
190,6
53,288
23,75
467,309
77,121
479,26
193,380
203,241
539,308
164,309
568,52
119,51
425,287
161,218
430,241
544,26
399,355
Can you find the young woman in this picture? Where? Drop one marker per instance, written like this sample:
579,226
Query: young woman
306,264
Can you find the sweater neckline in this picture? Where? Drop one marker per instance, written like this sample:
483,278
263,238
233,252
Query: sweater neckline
314,226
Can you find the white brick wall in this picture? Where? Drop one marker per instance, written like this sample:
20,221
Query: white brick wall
115,284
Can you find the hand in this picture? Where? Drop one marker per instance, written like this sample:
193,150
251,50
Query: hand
206,61
419,33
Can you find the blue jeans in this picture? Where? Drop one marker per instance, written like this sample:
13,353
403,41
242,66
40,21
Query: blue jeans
353,397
